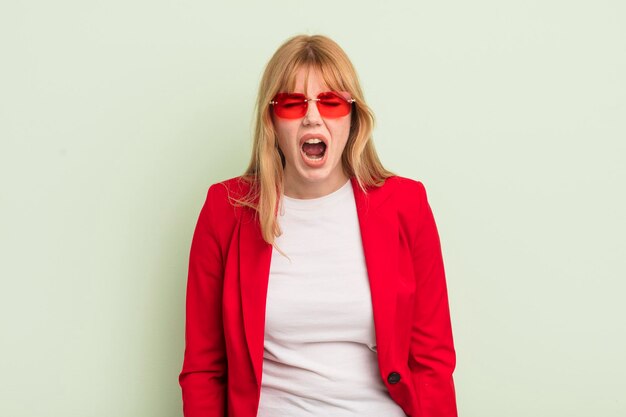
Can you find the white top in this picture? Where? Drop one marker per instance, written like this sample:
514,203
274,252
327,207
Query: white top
320,351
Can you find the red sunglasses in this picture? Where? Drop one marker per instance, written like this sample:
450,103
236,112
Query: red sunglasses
330,104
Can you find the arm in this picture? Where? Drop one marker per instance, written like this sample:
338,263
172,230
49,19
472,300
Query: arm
432,356
204,371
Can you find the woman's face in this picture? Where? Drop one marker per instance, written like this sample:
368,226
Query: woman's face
306,177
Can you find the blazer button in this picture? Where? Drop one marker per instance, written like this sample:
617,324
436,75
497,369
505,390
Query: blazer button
393,378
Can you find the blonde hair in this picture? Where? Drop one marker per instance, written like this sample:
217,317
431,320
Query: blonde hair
265,170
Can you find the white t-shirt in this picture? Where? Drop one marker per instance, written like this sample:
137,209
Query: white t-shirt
320,350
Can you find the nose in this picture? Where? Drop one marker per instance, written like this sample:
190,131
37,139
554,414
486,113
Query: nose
312,114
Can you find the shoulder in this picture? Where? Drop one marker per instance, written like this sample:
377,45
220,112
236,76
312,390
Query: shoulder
398,182
222,196
403,190
235,187
407,198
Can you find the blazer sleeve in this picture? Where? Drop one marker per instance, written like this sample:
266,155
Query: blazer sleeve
432,356
204,370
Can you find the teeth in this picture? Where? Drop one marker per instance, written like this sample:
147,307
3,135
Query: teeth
313,140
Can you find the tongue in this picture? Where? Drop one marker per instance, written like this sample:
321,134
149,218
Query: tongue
314,149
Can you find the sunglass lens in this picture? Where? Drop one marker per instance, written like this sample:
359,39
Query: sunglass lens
332,105
290,106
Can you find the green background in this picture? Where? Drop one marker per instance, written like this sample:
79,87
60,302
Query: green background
116,116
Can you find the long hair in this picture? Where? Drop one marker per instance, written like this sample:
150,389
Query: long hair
265,170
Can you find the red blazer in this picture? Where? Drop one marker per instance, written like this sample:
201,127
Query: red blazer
227,288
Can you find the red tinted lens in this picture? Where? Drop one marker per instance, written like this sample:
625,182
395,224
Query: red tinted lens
333,105
290,105
294,105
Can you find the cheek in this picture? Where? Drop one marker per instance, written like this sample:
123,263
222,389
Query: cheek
286,132
340,130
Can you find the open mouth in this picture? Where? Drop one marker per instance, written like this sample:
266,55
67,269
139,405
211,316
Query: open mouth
314,149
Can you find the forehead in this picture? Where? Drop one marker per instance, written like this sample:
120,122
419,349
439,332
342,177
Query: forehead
310,77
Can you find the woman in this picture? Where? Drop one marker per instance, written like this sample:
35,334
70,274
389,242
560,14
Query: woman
316,282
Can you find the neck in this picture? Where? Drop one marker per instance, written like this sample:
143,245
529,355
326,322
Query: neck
313,189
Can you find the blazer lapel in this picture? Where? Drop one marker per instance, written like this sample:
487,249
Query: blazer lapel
379,235
255,256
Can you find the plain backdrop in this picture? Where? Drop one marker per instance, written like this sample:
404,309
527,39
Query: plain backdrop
116,116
